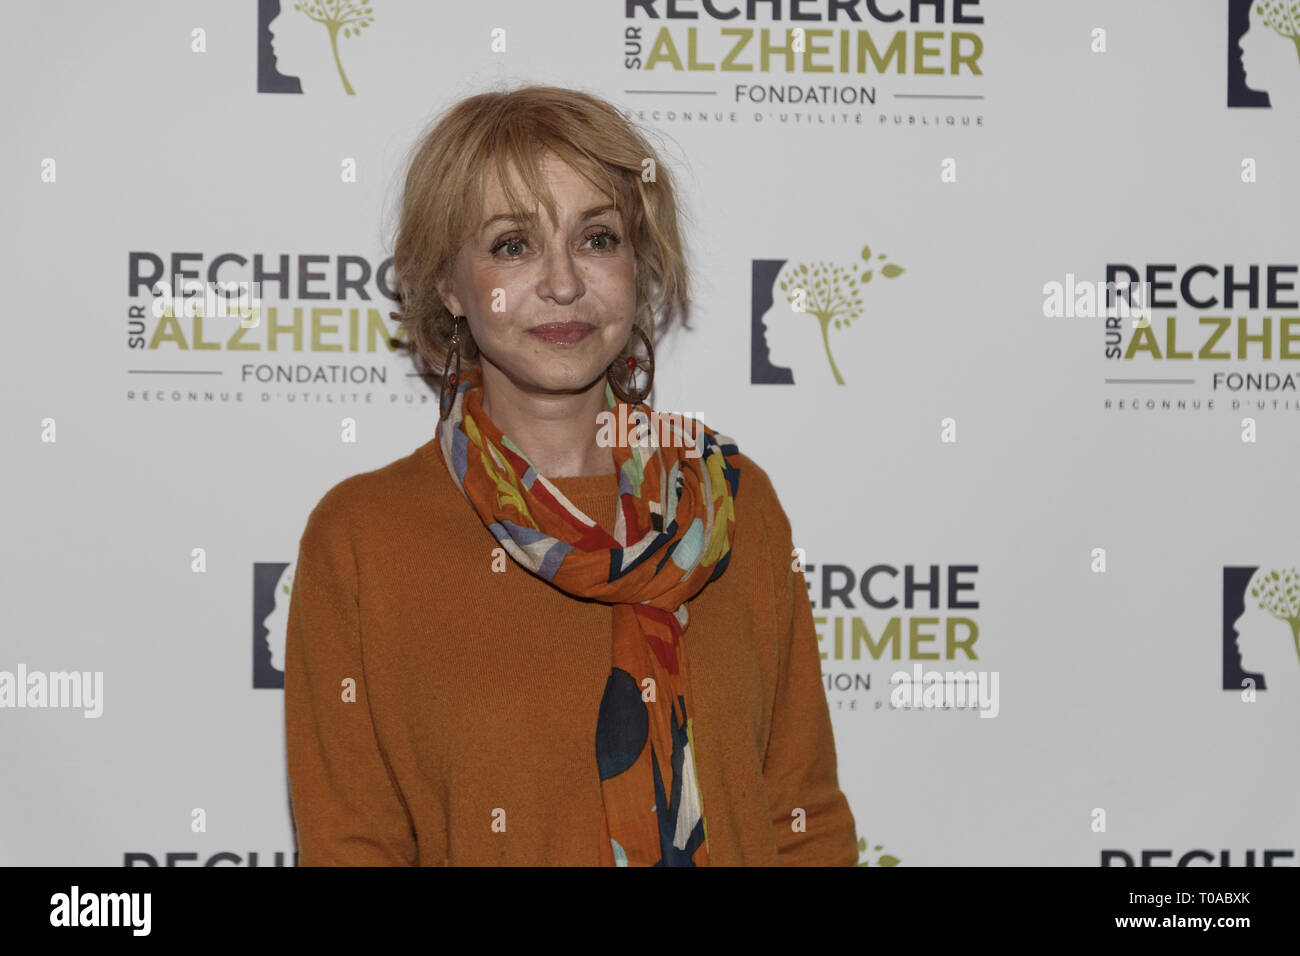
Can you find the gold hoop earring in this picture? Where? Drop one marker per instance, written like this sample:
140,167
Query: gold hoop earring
638,396
450,375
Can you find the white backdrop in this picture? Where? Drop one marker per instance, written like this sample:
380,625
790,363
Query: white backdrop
160,487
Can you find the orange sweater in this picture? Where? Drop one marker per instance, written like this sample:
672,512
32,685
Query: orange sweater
468,735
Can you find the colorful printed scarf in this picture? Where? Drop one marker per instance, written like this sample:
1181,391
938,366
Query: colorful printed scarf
672,536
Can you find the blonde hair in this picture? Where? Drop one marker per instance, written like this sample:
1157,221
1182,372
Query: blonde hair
443,200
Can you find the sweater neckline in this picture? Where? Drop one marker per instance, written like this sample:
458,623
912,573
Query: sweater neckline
587,485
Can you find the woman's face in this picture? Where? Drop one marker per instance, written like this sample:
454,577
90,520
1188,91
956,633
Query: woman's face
511,277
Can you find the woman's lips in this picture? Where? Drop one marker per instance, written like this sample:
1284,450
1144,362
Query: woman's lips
562,333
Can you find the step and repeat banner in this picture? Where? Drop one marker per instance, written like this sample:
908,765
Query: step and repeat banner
1002,294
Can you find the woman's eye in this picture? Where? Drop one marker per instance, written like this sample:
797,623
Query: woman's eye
609,238
513,251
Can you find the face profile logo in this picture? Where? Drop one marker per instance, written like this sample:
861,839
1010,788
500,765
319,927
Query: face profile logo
799,309
1264,54
1261,629
272,589
300,48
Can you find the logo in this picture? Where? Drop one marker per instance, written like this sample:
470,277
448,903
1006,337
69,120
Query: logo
1264,54
802,312
1197,858
853,637
1261,629
304,329
773,63
224,858
1196,329
272,589
305,43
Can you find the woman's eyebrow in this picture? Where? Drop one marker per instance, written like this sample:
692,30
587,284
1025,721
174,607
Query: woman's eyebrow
591,213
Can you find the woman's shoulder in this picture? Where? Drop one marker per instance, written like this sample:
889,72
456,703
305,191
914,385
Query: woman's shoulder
364,500
756,497
754,482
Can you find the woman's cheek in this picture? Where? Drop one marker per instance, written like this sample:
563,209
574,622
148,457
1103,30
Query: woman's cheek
498,297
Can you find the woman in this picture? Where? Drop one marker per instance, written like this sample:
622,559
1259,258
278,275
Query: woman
539,639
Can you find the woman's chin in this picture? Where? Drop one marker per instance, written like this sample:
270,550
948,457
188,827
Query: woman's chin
566,378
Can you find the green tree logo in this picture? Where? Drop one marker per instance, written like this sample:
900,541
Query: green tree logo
883,860
1279,594
338,16
831,294
1283,16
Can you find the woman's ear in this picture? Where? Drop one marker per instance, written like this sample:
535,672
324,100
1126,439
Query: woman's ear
448,299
